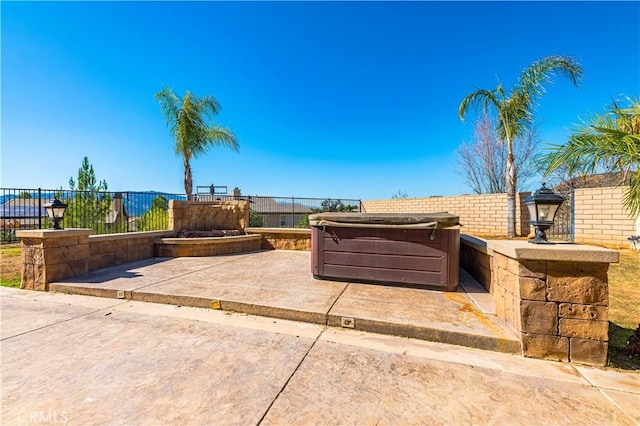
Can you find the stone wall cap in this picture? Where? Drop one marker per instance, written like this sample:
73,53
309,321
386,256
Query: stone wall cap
53,233
289,231
206,240
561,252
131,235
475,242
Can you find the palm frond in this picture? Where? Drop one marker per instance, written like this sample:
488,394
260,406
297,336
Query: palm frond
608,141
480,98
631,198
533,78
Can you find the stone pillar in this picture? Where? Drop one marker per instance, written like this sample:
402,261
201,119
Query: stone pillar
51,255
555,298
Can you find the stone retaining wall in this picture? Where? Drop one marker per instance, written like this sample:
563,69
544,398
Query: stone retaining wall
554,297
50,255
210,246
283,238
208,215
116,249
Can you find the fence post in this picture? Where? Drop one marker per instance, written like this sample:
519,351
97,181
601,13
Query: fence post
126,216
572,214
39,208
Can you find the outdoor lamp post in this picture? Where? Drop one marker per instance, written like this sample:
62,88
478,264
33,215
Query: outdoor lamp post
55,211
543,206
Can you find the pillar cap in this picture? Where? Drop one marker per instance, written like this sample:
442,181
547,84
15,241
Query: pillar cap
53,233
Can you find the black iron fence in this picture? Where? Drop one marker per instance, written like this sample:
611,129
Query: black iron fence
564,223
292,212
104,212
113,212
286,212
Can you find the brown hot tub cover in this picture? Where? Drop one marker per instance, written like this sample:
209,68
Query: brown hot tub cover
439,220
412,248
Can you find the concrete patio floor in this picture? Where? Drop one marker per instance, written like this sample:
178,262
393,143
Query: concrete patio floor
279,284
70,359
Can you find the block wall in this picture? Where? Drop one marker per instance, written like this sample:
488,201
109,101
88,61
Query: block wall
600,217
484,214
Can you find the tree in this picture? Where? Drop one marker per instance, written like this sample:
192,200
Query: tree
482,160
157,217
193,136
515,112
90,204
329,205
24,195
400,195
256,219
608,141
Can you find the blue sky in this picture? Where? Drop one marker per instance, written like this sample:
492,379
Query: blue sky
340,99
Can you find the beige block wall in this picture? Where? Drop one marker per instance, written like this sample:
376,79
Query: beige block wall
484,214
600,217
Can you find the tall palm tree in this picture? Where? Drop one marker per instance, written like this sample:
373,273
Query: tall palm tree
186,119
609,141
515,111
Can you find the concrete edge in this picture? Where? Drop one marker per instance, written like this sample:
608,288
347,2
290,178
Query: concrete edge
451,337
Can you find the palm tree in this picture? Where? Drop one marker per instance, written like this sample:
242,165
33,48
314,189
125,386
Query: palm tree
610,141
193,136
515,112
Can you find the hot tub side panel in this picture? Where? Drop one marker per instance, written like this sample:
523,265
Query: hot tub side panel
387,255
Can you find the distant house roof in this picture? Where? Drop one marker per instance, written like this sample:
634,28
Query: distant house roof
25,210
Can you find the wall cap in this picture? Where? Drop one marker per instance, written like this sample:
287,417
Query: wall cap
285,231
53,233
206,240
130,235
559,252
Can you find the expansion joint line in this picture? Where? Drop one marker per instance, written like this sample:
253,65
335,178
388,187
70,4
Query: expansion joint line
302,359
62,321
326,320
289,379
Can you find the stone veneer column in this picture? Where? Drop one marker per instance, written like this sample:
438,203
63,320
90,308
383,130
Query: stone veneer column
51,255
555,297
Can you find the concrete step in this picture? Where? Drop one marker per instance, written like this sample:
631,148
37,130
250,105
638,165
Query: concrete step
279,284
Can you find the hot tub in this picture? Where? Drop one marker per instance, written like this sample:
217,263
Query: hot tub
419,248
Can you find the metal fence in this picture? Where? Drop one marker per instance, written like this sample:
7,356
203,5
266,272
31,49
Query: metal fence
564,224
292,212
286,212
113,212
104,212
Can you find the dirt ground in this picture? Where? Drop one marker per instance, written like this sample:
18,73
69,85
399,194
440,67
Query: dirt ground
10,265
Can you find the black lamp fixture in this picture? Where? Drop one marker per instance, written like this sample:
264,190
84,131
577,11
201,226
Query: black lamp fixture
543,206
55,211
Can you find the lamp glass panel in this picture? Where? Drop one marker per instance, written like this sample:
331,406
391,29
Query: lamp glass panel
553,209
532,211
58,212
49,210
543,212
